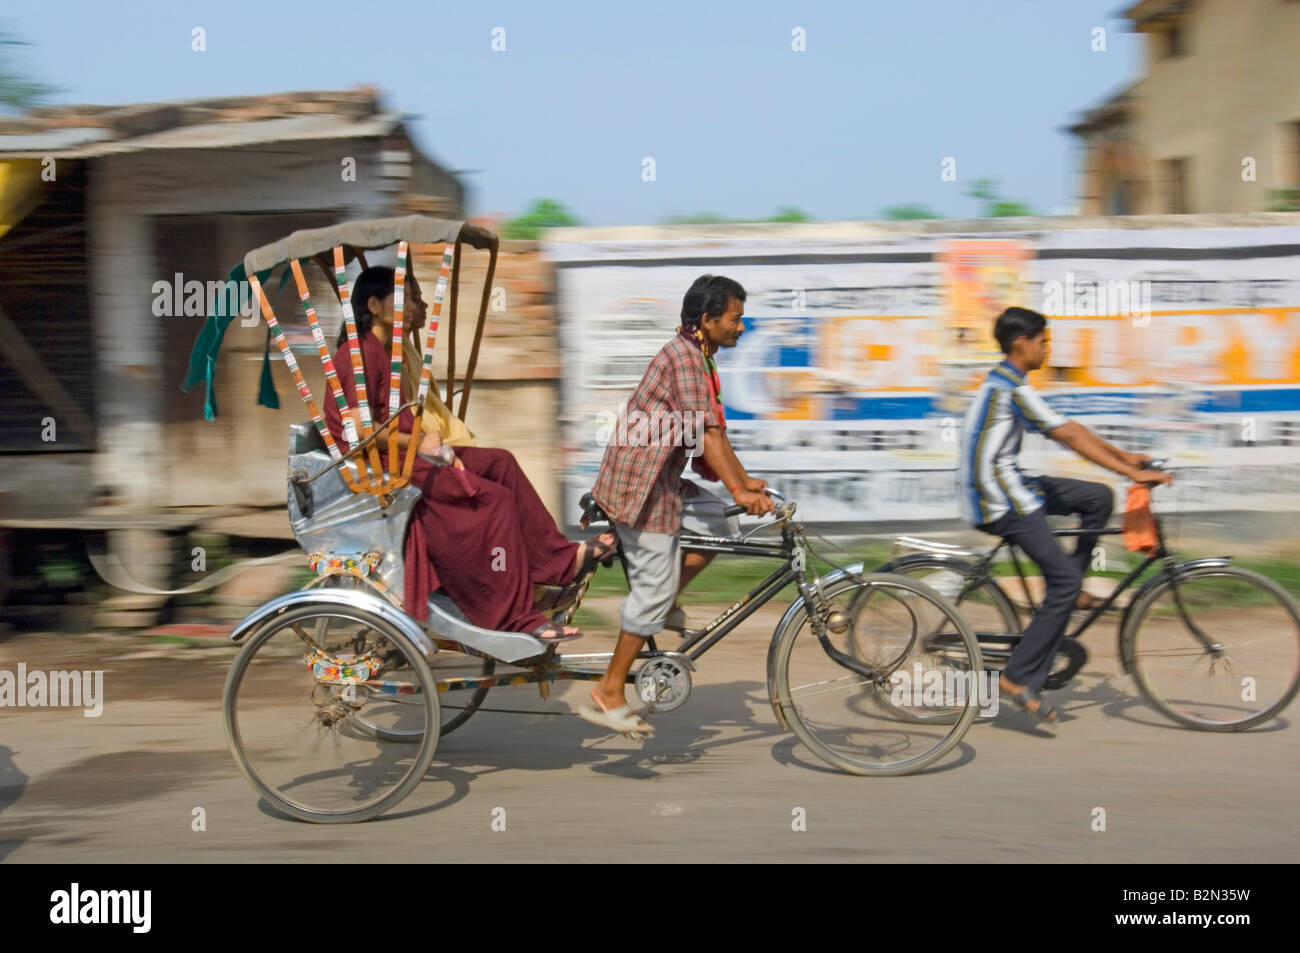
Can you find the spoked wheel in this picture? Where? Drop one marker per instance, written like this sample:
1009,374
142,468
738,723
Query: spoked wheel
919,692
331,713
1249,670
988,610
455,676
981,600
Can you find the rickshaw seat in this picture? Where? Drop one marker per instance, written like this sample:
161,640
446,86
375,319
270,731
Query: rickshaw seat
327,517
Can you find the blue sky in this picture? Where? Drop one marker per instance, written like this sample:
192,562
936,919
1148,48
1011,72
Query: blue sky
737,122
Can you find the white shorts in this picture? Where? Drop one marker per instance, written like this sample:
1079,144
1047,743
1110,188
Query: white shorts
654,561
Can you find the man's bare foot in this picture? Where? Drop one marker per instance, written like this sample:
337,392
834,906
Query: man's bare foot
608,701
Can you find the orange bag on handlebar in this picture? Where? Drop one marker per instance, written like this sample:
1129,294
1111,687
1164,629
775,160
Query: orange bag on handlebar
1139,524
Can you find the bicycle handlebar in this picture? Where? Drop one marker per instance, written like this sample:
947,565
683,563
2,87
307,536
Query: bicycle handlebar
738,508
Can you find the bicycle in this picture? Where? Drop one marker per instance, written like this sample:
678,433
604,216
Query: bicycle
1200,672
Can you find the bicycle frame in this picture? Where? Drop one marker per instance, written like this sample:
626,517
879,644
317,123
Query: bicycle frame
1162,553
577,667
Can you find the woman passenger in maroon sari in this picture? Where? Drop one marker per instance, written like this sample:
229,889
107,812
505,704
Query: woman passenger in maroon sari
479,532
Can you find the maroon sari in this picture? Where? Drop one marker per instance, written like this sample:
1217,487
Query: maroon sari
480,534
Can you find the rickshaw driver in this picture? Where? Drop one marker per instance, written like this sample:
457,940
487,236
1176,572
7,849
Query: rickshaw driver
639,486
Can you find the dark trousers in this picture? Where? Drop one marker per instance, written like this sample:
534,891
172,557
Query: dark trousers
1031,662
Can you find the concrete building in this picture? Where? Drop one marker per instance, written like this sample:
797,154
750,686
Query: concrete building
1213,124
98,204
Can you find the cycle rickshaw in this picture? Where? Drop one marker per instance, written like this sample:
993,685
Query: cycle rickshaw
334,706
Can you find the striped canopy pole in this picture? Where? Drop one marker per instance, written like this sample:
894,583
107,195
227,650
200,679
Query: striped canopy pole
395,364
439,291
354,352
426,371
327,362
296,372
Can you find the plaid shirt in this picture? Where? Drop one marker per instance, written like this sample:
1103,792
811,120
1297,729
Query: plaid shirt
640,478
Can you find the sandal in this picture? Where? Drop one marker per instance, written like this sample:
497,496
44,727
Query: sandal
598,551
621,720
550,632
1045,712
1092,603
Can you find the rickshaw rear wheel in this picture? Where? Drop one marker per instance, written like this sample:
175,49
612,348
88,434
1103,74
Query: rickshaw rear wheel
295,736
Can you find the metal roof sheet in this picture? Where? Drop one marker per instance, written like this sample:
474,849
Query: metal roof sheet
89,142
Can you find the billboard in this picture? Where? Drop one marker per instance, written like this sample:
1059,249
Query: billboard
847,389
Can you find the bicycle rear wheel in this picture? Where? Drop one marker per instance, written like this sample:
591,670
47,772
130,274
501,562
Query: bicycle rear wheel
980,599
919,654
1249,670
456,675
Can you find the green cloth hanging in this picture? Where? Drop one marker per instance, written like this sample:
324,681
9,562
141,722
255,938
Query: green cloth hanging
203,358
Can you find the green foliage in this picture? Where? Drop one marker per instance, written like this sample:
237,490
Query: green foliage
786,213
16,91
1006,209
909,212
543,213
700,218
995,206
1284,200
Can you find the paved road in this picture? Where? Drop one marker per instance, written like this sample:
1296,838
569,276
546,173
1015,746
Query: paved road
718,782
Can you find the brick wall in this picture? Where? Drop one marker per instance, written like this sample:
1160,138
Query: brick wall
514,400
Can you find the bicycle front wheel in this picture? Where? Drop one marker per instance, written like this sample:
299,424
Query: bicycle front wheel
1219,650
902,649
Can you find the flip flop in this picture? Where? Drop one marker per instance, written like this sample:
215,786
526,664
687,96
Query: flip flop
550,632
1045,712
622,720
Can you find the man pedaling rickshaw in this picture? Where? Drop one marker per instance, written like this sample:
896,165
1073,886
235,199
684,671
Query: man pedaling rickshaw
480,532
640,488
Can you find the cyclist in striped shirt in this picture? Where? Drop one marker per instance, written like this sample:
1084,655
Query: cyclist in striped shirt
1002,500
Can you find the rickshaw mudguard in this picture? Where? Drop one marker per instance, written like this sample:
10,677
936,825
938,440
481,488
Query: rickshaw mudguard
344,598
791,614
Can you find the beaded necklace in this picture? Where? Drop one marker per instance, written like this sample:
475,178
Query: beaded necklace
696,337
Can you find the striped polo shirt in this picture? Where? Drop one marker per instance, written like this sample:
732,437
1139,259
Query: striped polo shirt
991,480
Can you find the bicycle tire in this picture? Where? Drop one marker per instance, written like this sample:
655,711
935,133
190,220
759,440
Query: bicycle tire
1141,664
784,700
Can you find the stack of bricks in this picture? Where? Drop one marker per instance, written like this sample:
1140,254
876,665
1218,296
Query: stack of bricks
520,341
515,399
